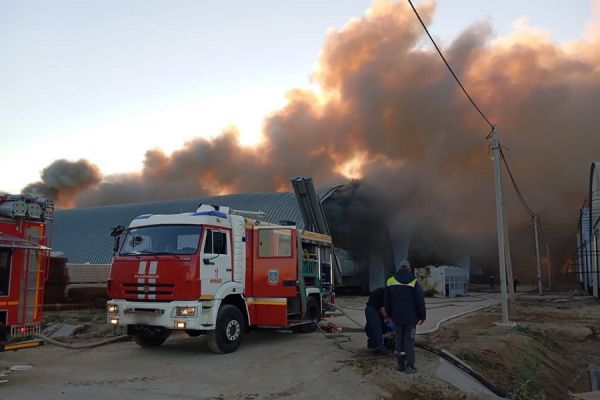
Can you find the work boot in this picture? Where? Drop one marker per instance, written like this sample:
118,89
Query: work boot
401,368
411,370
382,351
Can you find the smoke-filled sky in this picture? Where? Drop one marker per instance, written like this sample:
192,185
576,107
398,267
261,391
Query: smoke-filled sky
380,107
108,80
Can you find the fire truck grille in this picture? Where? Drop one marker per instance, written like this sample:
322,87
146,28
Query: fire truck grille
163,289
25,330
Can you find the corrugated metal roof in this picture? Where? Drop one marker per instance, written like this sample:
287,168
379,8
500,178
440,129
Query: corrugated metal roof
83,234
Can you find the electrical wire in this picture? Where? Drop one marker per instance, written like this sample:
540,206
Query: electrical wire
516,187
512,178
450,68
519,194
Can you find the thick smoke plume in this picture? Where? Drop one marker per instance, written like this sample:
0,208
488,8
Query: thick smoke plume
389,110
63,180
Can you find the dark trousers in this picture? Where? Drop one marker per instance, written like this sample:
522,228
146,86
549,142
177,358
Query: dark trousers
373,328
405,345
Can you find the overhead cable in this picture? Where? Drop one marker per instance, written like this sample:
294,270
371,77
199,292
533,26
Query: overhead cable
514,183
450,68
516,187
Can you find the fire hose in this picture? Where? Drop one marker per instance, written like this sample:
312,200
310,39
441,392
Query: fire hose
441,353
463,367
55,342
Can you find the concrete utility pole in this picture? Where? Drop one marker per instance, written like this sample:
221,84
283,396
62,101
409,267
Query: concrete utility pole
549,269
537,255
495,147
508,259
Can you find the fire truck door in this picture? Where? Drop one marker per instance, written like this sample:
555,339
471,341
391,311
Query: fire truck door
216,262
275,263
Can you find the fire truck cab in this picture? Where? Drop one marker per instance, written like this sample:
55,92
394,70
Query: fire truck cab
219,273
24,260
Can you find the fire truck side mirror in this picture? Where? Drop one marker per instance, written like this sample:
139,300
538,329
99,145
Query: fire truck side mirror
117,230
117,244
116,233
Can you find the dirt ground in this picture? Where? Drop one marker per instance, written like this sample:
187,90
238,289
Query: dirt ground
544,357
355,363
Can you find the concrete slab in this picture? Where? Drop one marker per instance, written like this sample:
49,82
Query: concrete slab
460,379
587,396
62,330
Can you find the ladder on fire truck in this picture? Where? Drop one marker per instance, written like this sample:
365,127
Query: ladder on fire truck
34,273
313,215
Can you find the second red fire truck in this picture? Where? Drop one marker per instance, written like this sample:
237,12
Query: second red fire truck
217,272
24,261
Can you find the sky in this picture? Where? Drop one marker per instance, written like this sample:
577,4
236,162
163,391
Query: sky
109,80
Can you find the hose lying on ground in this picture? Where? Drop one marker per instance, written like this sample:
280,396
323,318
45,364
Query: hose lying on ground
339,338
462,366
462,314
55,342
347,316
446,356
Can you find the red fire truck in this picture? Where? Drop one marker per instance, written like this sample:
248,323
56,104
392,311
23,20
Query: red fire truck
216,272
24,260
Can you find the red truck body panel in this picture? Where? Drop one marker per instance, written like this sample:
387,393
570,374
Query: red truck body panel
24,263
275,276
158,278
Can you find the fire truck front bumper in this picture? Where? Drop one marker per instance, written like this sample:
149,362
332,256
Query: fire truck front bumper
183,315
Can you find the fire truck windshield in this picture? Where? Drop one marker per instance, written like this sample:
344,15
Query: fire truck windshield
162,239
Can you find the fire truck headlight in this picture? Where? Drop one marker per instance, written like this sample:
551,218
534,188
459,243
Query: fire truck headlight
114,321
180,324
112,309
185,311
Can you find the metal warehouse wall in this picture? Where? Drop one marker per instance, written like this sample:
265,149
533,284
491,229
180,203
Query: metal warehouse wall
83,234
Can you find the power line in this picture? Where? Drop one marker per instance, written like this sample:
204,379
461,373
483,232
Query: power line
450,68
499,147
514,183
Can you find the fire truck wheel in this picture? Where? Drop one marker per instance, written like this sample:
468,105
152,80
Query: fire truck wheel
313,312
228,332
150,341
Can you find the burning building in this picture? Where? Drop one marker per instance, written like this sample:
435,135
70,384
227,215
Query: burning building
388,113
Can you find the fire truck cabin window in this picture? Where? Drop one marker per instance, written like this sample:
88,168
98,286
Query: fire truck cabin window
162,239
4,271
274,243
216,242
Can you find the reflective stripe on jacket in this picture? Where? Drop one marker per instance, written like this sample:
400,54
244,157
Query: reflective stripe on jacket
404,299
393,281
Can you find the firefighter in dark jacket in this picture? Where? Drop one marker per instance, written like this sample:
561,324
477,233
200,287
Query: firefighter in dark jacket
375,316
405,304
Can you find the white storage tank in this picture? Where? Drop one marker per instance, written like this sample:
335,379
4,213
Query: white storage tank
445,280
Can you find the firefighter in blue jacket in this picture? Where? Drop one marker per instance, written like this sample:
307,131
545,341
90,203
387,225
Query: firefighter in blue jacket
405,304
